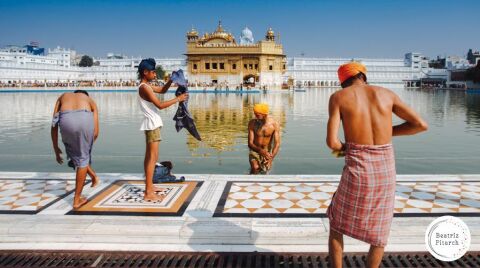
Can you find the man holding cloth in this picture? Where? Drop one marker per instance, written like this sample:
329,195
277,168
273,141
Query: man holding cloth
362,207
263,140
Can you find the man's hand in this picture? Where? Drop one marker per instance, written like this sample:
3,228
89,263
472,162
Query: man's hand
266,154
182,97
268,163
58,153
341,152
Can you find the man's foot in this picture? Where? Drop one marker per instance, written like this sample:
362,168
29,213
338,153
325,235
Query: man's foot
82,201
95,182
159,189
152,197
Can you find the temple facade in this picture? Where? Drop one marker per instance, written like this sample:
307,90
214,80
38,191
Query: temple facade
217,59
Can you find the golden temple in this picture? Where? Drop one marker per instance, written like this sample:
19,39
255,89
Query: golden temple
217,59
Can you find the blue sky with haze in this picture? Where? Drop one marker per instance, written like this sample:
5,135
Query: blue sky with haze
375,29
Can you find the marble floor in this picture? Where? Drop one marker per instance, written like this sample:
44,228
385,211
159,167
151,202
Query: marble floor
32,196
214,212
306,199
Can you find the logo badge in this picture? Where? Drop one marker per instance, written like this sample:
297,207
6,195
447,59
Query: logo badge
447,238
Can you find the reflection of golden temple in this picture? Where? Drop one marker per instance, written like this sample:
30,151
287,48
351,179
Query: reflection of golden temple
222,127
216,58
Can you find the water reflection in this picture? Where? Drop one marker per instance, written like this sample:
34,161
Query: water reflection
222,119
473,111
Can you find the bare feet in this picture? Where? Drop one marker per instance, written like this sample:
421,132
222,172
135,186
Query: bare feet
95,181
159,189
82,201
152,197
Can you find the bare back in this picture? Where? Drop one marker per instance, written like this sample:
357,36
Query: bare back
366,114
75,101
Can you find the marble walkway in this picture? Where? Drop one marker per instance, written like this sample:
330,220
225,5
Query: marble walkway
282,213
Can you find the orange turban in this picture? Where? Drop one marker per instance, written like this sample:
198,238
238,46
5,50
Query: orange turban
350,69
261,108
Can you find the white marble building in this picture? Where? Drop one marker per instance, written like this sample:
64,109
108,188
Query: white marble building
58,66
322,72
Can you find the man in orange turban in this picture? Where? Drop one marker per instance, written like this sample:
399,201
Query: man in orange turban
263,140
363,204
350,71
261,108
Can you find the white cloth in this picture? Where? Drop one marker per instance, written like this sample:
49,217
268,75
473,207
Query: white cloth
151,114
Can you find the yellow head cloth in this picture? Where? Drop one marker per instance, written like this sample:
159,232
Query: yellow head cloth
261,108
350,69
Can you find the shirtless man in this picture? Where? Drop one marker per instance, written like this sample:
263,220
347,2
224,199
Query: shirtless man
77,115
362,207
262,133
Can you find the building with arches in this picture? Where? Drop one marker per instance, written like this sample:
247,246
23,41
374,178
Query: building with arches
216,58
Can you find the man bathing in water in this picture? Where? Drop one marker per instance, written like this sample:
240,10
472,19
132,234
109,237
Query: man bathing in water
262,133
362,207
77,116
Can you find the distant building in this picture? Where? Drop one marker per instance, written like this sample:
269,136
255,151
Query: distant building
216,58
456,62
322,72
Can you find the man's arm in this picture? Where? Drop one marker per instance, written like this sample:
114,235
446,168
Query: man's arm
251,142
276,140
54,135
96,130
163,88
414,123
148,95
333,124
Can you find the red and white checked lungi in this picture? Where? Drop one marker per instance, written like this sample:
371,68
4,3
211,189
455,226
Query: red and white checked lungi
362,206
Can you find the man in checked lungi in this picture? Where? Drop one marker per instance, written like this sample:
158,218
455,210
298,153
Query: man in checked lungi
362,206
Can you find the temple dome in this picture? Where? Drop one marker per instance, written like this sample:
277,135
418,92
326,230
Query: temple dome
219,35
270,36
246,36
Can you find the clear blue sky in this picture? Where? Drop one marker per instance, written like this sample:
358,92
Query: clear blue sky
317,28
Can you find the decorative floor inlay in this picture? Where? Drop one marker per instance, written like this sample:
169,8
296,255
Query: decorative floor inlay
31,196
311,199
126,198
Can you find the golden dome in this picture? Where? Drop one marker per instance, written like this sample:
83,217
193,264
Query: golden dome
219,33
219,27
270,36
270,32
192,32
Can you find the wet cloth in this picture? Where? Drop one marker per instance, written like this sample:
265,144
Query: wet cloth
262,162
163,173
77,128
362,207
151,114
182,117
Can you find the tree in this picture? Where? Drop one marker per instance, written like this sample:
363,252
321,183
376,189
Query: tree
86,61
473,74
470,56
160,72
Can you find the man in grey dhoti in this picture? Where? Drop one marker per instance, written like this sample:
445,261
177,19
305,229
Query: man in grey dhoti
77,116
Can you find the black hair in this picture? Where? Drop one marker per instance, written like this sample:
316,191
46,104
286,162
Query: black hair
81,91
350,80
